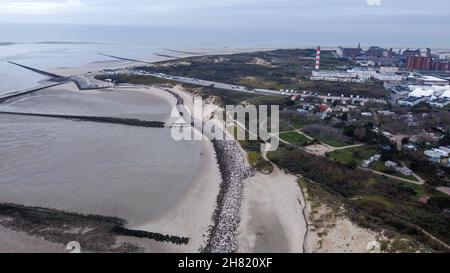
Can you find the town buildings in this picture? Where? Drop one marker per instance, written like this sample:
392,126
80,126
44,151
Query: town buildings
347,52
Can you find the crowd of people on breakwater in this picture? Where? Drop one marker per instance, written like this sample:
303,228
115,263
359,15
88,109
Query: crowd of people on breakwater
226,218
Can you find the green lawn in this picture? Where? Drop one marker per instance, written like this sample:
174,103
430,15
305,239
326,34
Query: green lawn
380,167
329,141
267,100
259,163
297,125
295,138
377,200
352,155
334,143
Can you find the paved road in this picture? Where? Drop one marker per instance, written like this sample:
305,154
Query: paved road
393,176
244,89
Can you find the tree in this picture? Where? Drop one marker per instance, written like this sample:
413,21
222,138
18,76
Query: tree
440,202
360,133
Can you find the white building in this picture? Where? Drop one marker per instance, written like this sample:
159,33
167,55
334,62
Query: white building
446,149
421,91
441,152
390,164
404,171
389,69
432,154
362,73
446,94
388,77
336,76
368,162
439,96
332,74
431,80
439,103
411,101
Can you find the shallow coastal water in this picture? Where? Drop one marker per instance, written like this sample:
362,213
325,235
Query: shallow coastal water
134,173
121,103
50,56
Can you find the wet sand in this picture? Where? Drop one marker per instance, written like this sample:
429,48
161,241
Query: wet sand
82,178
21,242
144,103
103,169
191,217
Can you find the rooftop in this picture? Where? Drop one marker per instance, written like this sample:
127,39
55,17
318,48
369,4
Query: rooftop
432,78
411,99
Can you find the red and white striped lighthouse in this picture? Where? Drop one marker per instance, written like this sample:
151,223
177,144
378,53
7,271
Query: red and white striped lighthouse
318,58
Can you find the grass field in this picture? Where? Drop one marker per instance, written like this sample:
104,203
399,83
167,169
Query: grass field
257,161
334,142
295,138
353,155
267,100
380,167
259,83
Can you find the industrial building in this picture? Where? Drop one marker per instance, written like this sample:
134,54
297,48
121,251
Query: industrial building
335,76
347,52
436,96
388,77
375,51
431,80
411,101
389,69
439,103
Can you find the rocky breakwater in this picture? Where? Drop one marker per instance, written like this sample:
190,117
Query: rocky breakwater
226,218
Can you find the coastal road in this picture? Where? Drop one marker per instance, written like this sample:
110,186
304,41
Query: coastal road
239,88
393,177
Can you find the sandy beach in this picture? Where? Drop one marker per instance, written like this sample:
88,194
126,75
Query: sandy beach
272,220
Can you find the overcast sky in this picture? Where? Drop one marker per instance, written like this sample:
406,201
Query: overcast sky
430,18
218,12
